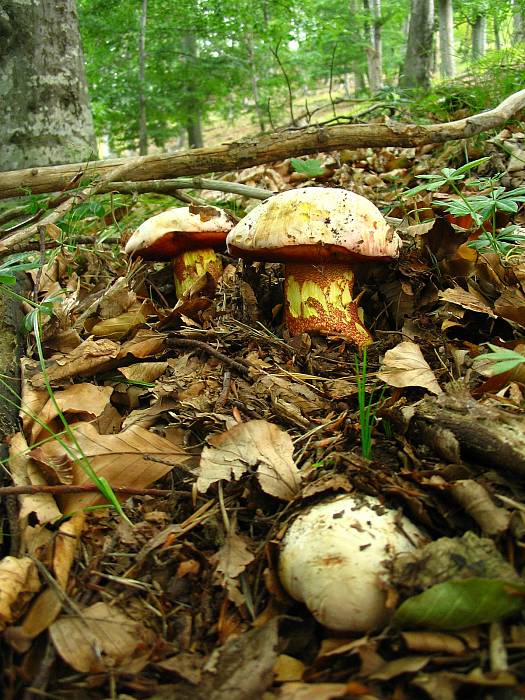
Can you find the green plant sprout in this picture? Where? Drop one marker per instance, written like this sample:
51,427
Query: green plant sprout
33,322
501,359
310,167
367,407
480,207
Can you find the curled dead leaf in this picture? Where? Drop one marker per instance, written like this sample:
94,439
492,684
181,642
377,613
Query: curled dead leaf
405,365
256,443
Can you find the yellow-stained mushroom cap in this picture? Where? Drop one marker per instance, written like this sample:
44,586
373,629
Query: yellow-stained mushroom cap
188,236
317,232
334,558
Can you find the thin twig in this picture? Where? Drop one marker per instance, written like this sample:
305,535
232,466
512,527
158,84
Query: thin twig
181,183
275,53
199,345
63,489
41,680
50,245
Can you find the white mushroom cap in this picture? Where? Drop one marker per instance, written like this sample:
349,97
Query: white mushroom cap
176,230
326,223
334,558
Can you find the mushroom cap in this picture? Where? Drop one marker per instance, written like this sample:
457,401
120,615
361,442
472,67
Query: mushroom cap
174,231
334,559
317,224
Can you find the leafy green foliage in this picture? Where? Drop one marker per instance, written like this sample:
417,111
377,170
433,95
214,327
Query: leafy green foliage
454,605
312,167
501,359
480,207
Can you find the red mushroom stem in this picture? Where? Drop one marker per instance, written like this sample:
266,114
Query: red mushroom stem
318,299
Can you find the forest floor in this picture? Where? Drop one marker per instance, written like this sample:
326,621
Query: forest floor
198,399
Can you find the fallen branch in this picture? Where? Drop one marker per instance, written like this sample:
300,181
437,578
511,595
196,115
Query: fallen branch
264,149
184,183
24,234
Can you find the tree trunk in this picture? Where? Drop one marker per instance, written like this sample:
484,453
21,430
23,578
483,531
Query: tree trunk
254,78
356,38
518,23
479,36
497,34
45,115
193,109
143,124
446,38
418,57
374,52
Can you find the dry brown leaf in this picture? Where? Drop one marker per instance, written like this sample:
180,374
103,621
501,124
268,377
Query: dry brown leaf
144,371
511,305
407,664
41,506
102,639
471,300
232,559
256,443
312,691
242,668
476,500
90,357
144,344
405,365
18,583
433,642
287,669
46,607
121,460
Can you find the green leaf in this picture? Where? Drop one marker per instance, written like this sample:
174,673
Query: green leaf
312,168
454,605
7,279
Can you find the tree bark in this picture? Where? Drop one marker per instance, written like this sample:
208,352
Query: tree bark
479,37
45,115
446,38
458,427
143,123
192,107
268,148
518,23
418,57
374,52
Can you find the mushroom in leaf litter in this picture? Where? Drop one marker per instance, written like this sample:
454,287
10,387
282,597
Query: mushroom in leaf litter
189,236
335,557
318,232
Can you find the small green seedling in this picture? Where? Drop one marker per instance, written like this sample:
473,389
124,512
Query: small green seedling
311,167
501,359
480,207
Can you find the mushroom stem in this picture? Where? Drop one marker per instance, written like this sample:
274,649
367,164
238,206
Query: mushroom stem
188,267
318,299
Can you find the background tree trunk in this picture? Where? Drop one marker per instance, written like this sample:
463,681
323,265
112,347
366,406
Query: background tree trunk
143,123
418,57
479,36
193,123
446,38
374,52
45,114
518,23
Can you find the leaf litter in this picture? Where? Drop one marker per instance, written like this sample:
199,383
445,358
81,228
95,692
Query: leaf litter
240,427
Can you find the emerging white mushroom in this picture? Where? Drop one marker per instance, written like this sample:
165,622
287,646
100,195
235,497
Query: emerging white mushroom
334,559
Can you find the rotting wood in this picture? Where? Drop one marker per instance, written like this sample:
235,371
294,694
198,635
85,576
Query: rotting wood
458,427
263,149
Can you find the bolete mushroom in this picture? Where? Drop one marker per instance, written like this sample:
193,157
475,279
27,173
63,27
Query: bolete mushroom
318,232
189,236
334,558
